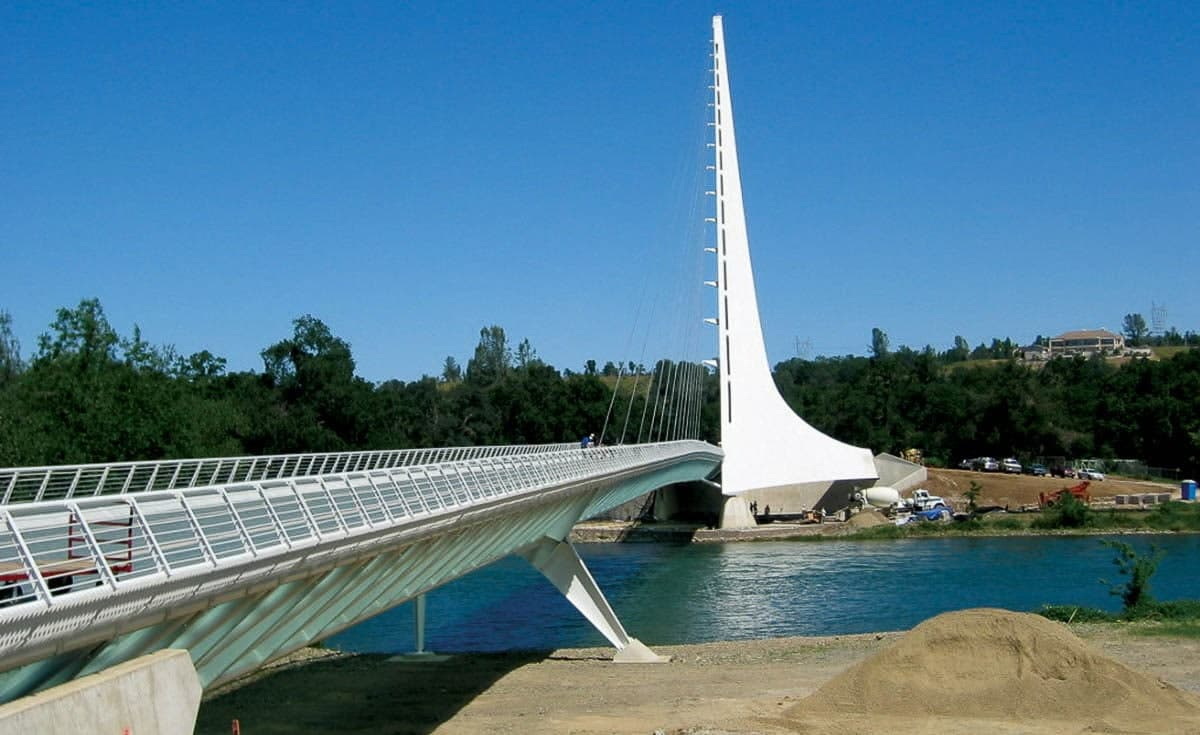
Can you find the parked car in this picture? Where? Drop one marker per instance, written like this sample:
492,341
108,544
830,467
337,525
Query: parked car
1086,474
967,464
1011,466
986,464
1037,470
1062,471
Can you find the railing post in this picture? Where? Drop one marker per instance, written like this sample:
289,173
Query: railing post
283,534
160,558
194,522
32,573
237,521
98,557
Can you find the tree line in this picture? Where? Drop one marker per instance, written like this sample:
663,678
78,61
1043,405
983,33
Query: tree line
1079,407
88,394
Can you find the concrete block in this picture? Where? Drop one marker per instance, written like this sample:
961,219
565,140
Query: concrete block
899,473
157,694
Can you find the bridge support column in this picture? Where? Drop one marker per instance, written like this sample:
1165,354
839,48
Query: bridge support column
559,563
419,624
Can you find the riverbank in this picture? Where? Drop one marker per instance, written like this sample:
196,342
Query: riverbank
1019,494
874,526
638,532
728,687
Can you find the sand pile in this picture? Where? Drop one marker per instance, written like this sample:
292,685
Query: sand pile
866,518
991,664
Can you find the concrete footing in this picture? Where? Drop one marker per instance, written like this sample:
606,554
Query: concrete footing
157,694
736,513
636,652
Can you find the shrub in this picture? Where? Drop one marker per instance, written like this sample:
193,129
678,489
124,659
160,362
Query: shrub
972,495
1139,569
1067,512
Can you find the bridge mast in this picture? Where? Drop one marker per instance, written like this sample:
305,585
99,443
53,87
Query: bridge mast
771,454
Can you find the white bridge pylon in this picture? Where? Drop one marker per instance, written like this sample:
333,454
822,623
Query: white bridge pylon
770,452
242,572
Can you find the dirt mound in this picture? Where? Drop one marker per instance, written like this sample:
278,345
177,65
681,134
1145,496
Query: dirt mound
867,518
988,663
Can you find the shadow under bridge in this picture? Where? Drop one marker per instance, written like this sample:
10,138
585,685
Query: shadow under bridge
243,572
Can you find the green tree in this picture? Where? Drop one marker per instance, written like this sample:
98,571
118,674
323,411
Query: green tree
1139,569
81,336
961,350
10,351
314,373
879,343
1135,329
451,372
201,366
492,357
526,355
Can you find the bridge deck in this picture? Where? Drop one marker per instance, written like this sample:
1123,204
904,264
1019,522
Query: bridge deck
245,571
66,482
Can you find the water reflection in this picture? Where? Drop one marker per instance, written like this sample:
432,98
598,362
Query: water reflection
667,593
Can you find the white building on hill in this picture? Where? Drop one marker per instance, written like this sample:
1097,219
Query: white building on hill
1087,342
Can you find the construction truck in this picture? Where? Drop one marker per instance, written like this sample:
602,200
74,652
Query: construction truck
922,500
1080,491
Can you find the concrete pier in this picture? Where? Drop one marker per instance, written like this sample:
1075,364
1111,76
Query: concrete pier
157,694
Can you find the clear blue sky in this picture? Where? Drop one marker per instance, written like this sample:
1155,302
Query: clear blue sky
409,174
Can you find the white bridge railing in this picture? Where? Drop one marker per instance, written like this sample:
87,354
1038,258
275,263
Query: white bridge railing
63,482
85,549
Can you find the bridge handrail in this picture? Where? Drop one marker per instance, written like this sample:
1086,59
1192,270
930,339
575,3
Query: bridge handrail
63,482
72,551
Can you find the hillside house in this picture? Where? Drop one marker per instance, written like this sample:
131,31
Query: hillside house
1086,342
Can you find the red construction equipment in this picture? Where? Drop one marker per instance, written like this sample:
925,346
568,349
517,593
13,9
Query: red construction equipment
1080,492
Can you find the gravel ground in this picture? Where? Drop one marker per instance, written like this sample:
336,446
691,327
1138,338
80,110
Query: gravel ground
706,688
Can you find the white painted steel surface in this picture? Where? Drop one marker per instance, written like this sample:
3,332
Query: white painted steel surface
63,482
766,444
309,555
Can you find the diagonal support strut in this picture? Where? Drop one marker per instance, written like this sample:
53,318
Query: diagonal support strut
559,563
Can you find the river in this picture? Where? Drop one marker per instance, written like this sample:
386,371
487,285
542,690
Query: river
692,593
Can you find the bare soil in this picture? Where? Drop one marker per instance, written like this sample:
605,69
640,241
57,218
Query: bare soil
1028,679
1016,491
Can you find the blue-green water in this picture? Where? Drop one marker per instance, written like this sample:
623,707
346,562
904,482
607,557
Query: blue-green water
691,593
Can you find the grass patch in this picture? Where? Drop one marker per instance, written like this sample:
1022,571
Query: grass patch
1181,629
1177,618
1076,614
1176,610
879,533
1166,352
989,524
1006,521
1173,516
1072,514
